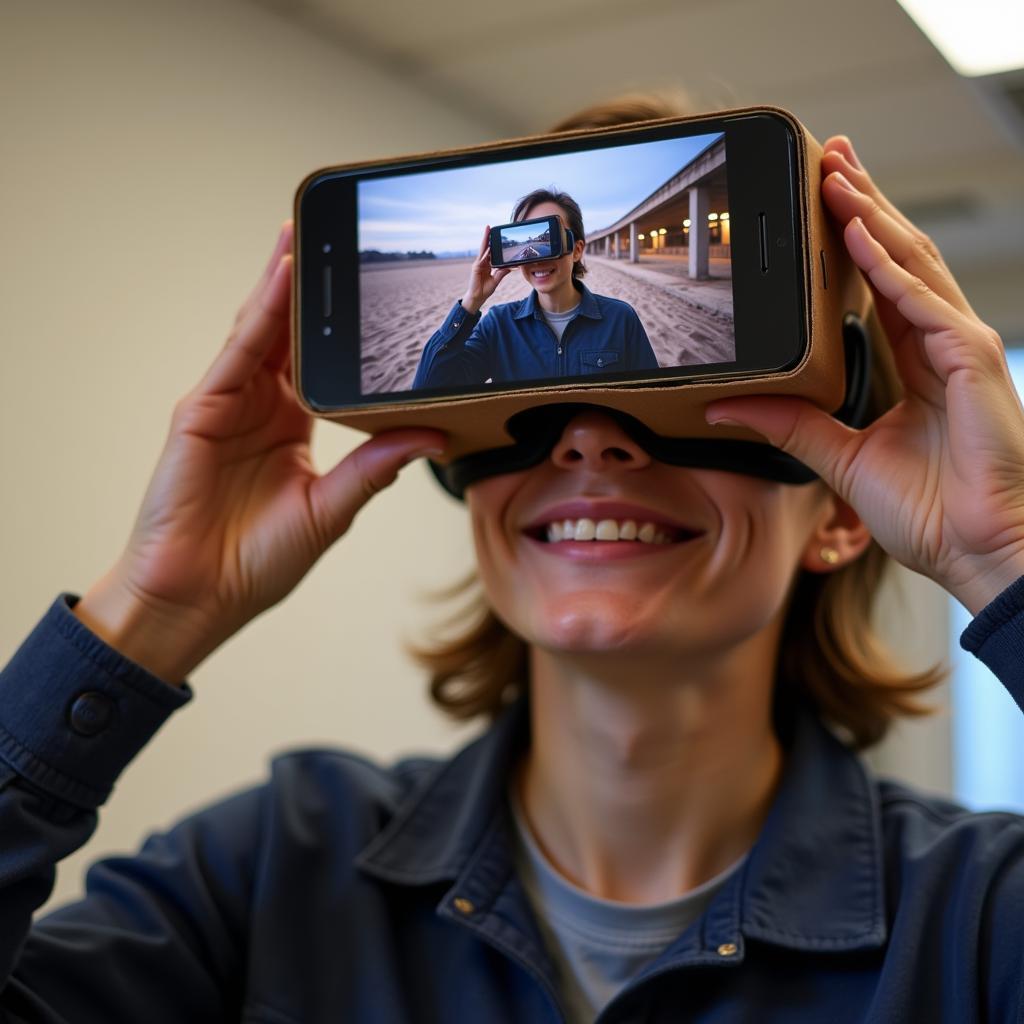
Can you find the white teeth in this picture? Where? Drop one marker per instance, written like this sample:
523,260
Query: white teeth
585,529
606,530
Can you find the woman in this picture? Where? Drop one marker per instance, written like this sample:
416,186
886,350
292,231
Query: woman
561,330
663,830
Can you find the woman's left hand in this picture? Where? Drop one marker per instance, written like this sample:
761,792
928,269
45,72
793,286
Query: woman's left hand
939,479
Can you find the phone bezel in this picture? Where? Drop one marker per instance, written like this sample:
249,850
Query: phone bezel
555,227
771,322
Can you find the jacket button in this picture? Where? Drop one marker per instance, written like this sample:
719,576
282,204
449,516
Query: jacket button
727,949
91,713
559,349
600,361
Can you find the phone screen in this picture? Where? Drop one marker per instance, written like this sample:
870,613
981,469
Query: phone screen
651,281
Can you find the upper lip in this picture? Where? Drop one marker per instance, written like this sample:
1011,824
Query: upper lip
581,508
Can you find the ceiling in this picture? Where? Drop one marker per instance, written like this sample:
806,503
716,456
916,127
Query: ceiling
949,151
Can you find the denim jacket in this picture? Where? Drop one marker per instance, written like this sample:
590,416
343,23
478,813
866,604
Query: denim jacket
513,342
342,891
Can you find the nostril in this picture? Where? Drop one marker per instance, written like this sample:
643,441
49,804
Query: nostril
620,454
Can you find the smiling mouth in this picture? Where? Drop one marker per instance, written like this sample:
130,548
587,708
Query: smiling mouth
542,275
613,530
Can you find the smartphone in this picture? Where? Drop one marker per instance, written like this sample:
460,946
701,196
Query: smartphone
529,241
703,236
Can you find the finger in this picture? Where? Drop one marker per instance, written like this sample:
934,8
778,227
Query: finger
912,297
285,238
909,247
259,336
839,155
798,427
337,496
485,244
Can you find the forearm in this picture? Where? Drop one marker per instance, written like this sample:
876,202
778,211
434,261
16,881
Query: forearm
73,713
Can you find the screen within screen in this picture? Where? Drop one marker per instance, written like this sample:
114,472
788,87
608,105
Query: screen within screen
653,283
527,241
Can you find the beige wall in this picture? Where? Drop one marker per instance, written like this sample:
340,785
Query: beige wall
149,153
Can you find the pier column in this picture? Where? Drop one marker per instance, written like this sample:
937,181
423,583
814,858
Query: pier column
615,246
634,249
607,244
700,237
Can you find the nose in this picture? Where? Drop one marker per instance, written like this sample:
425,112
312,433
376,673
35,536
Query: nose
594,441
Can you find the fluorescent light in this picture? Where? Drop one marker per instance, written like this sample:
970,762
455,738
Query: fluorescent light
982,37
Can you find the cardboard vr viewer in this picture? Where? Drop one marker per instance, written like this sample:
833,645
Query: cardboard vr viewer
832,285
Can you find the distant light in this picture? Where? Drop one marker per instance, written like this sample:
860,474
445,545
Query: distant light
712,216
662,231
686,223
641,236
983,37
724,216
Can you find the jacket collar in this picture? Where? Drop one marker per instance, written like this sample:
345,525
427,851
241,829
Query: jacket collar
589,306
813,880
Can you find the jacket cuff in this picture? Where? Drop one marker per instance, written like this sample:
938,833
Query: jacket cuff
458,325
996,637
74,711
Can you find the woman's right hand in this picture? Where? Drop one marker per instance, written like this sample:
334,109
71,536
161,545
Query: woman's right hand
483,278
235,514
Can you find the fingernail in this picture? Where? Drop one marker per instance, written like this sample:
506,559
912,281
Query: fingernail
723,421
841,179
853,155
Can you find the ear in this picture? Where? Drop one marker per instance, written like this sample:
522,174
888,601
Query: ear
577,250
839,538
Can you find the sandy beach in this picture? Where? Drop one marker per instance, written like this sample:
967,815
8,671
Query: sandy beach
403,303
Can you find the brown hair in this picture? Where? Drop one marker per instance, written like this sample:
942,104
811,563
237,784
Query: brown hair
571,209
829,654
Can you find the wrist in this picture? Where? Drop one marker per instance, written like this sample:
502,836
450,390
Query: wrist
986,579
471,303
158,640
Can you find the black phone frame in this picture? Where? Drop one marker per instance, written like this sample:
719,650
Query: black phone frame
771,324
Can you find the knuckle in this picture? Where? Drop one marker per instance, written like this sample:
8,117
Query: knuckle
926,249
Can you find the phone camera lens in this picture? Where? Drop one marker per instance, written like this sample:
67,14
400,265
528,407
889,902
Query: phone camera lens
327,247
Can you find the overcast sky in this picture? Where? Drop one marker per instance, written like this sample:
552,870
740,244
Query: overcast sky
446,211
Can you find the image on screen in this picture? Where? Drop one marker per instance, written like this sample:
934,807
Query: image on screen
528,241
652,281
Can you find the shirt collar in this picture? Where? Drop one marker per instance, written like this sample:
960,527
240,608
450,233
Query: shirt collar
813,880
589,306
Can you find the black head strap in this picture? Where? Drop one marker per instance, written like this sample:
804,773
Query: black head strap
536,431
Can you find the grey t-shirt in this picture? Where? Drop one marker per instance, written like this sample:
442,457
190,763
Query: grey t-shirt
598,945
559,321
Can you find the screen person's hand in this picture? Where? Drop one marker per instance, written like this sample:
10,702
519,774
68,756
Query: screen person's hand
938,479
235,513
483,278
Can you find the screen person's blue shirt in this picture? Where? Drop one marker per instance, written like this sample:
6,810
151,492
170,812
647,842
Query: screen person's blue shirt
342,890
513,342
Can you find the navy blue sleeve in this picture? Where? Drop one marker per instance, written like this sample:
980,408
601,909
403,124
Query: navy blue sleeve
455,353
157,936
996,636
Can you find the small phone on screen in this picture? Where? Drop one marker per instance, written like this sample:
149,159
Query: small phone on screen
693,237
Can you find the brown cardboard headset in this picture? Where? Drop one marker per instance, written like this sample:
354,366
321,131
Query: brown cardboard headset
514,429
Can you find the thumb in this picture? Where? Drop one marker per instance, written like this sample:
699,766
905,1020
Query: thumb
337,496
795,425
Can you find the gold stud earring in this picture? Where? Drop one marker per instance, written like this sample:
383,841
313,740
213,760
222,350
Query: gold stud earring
829,555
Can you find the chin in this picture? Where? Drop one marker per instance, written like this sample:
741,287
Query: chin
594,625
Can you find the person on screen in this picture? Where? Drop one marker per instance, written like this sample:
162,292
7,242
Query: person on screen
562,329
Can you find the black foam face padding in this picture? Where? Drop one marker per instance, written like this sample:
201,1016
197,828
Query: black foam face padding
536,432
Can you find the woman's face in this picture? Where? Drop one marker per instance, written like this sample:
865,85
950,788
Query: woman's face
550,275
707,558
